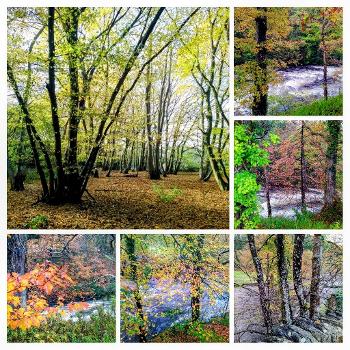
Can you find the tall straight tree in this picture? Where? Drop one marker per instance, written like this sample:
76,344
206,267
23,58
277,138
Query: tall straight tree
298,251
316,278
333,141
260,74
133,275
283,280
264,301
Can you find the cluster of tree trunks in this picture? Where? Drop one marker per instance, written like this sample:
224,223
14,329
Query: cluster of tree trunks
64,179
287,316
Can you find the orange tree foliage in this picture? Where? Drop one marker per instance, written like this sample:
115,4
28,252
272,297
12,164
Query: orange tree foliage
39,284
85,261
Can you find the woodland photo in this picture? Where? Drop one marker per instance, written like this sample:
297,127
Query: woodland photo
118,118
61,288
288,174
288,288
288,61
174,288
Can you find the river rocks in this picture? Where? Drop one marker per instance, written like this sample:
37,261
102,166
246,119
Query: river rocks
327,330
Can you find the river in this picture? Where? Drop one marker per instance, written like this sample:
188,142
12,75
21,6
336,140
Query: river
297,85
286,204
168,303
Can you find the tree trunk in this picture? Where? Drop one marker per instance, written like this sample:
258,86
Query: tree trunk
333,139
260,75
264,301
31,131
283,280
17,182
302,167
224,186
154,174
297,272
267,191
51,88
196,282
17,257
316,277
130,250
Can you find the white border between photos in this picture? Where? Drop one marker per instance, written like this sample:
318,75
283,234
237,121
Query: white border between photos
346,193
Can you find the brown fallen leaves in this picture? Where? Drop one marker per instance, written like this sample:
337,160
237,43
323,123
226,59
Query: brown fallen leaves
127,203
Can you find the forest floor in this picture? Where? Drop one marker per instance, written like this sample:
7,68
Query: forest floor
175,202
215,331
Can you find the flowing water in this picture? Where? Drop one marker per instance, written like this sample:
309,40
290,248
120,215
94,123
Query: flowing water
167,304
287,204
297,85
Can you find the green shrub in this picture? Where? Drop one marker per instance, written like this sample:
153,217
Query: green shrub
100,328
38,222
339,299
194,331
166,195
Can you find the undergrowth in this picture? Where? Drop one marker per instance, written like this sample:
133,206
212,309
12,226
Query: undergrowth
100,328
331,106
303,220
166,195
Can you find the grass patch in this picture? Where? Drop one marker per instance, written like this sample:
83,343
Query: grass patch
331,106
99,329
166,195
38,222
304,220
242,278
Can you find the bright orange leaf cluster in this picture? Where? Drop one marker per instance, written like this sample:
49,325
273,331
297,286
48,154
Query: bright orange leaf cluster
38,283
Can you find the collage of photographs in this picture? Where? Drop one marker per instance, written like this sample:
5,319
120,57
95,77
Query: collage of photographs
174,174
